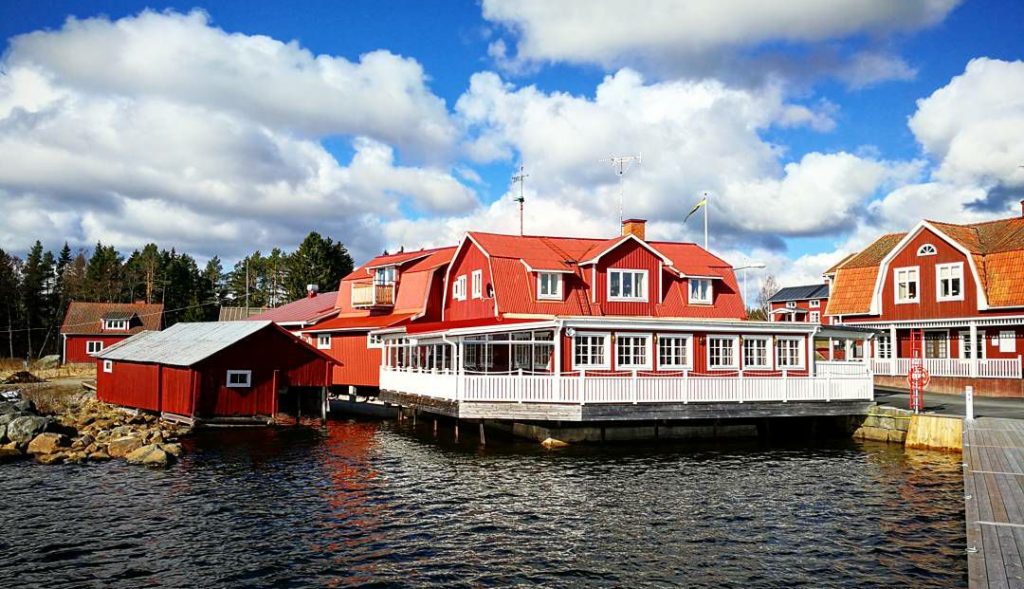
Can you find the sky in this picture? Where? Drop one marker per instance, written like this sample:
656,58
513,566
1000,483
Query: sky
812,127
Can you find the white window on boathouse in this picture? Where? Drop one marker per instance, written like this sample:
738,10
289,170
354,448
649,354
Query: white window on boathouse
700,291
789,353
627,285
755,352
590,351
239,379
108,366
722,352
633,352
675,351
459,288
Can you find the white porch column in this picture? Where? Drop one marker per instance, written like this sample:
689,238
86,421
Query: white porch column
557,360
974,348
847,349
831,350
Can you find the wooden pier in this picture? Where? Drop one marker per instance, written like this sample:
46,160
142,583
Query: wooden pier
994,501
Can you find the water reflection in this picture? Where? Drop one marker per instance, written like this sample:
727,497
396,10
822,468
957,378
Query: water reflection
383,503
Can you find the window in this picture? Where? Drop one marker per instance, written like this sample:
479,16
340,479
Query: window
755,352
115,324
791,304
967,351
459,288
384,276
722,352
883,347
549,286
814,304
93,347
1007,342
108,366
323,341
239,379
936,344
907,285
926,250
789,353
949,280
589,351
632,352
700,291
478,284
627,285
675,351
815,317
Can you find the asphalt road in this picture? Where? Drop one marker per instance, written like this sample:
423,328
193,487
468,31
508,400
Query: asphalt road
954,404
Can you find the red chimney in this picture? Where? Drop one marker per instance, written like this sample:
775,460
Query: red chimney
635,227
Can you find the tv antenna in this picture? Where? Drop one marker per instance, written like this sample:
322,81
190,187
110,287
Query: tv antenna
520,178
622,163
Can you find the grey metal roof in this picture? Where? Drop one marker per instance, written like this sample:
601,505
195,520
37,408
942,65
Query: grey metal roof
183,344
800,293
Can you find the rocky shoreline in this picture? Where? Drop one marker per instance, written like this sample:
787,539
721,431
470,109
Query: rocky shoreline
87,431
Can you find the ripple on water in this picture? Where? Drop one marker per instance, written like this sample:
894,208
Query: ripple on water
375,504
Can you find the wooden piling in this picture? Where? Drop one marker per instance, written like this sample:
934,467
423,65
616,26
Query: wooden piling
483,436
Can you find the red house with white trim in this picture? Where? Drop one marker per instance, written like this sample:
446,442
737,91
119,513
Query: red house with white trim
800,303
952,294
88,328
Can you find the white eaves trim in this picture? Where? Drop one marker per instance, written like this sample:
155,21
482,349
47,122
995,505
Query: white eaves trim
623,240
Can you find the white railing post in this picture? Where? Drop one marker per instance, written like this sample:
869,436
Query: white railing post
686,386
583,386
519,387
634,385
828,388
1018,367
785,386
740,378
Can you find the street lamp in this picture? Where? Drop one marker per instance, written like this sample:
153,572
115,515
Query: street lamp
750,266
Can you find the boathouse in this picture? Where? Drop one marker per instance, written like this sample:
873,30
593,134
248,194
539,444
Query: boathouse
211,370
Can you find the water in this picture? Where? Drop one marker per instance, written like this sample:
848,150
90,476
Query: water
377,504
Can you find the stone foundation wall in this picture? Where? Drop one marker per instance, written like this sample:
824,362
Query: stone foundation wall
983,387
885,424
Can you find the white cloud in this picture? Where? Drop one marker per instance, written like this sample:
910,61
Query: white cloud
869,68
126,159
696,33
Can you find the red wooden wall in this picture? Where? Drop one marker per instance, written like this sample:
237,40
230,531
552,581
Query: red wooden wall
356,364
928,307
129,384
632,256
179,387
470,258
76,346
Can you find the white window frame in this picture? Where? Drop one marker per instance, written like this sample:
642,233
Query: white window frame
691,299
927,249
735,339
459,288
606,336
554,279
374,341
385,276
623,272
965,336
768,351
647,364
814,317
115,324
248,379
957,267
814,304
1007,335
880,348
323,341
687,361
801,352
108,366
916,270
93,346
791,304
477,283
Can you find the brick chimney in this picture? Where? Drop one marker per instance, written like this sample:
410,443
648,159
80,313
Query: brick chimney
637,227
311,290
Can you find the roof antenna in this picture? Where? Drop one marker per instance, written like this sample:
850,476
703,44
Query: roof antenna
622,163
521,179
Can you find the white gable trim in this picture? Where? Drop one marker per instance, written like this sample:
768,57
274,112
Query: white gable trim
623,240
883,267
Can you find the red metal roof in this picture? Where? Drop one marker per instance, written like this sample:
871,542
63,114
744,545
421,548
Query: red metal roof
361,322
307,310
85,318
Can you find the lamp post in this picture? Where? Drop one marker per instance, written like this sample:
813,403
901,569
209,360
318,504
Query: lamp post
744,268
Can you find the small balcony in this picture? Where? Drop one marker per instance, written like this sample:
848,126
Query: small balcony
367,295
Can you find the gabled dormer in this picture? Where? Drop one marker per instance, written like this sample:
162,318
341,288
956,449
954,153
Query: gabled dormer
119,321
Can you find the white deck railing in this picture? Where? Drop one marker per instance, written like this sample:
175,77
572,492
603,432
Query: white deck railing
581,389
955,367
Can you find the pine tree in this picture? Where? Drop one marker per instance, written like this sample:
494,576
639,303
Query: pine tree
318,261
10,296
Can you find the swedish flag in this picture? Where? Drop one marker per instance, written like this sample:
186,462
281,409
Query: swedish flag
703,203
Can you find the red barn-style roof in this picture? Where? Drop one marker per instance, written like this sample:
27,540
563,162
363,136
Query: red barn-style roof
302,312
85,318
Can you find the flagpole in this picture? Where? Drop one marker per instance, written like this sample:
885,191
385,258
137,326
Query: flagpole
706,207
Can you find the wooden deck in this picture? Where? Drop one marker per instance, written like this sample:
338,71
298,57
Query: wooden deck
994,501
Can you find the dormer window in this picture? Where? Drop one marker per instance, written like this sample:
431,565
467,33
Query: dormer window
627,285
926,250
549,286
700,291
115,324
791,304
385,275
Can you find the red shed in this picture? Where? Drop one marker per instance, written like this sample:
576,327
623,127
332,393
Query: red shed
210,370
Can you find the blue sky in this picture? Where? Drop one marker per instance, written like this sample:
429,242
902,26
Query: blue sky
788,119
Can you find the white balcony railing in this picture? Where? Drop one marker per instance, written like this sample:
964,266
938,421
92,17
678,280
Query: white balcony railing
954,367
580,388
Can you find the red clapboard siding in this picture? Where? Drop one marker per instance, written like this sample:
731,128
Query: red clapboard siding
357,365
632,256
75,350
469,259
177,389
928,307
129,384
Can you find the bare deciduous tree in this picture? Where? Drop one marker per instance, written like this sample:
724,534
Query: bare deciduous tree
768,289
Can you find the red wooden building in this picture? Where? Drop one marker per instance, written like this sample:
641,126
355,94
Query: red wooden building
302,314
210,370
90,327
804,304
953,294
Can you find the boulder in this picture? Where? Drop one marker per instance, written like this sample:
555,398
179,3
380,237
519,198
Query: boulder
553,443
3,432
8,453
47,443
55,458
121,447
25,407
75,457
99,456
151,455
83,442
172,449
51,361
26,427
